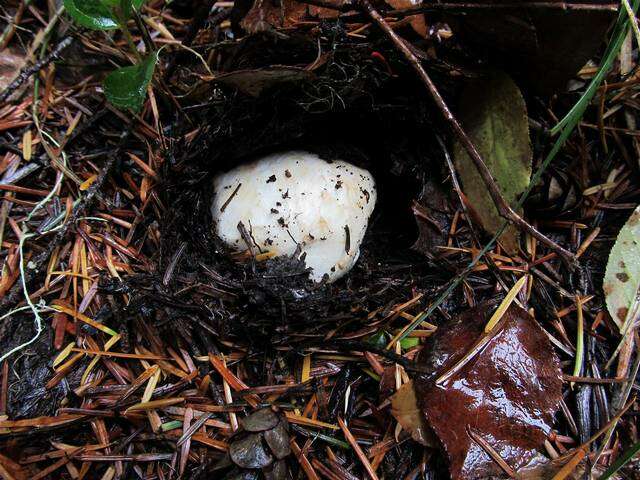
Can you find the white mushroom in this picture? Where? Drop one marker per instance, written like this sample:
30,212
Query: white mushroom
296,198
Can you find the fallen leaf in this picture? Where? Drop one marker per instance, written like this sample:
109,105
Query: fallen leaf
494,115
263,436
277,471
622,276
507,393
263,419
433,213
404,408
543,47
417,22
266,15
249,452
278,440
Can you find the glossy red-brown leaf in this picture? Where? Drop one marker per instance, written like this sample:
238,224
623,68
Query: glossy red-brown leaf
507,393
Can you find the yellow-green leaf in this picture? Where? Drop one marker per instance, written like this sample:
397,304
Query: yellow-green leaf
494,115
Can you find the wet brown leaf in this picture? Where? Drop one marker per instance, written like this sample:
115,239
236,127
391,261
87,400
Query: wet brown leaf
264,419
278,440
507,393
249,452
277,471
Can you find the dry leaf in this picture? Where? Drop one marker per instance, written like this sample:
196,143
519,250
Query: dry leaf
417,22
622,277
404,408
266,15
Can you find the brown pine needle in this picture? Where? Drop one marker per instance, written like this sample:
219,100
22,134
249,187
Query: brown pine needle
491,451
356,448
568,468
304,461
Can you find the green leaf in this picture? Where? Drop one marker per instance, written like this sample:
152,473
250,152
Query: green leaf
126,87
378,339
94,14
622,276
494,115
409,342
99,14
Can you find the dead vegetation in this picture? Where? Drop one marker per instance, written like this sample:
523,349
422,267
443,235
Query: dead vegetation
140,349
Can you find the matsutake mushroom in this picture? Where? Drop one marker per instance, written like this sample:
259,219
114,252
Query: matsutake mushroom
285,201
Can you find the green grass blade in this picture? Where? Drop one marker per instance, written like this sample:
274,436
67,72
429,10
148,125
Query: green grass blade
619,33
621,461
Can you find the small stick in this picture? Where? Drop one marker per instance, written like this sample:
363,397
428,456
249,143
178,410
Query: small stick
26,73
456,185
504,209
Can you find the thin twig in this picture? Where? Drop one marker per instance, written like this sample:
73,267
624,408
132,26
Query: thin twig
353,345
474,235
470,6
486,446
27,72
356,448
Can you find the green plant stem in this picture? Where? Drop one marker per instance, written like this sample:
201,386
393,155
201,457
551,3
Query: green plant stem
122,21
579,360
131,43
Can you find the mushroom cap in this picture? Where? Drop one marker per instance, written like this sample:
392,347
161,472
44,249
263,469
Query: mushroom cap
296,198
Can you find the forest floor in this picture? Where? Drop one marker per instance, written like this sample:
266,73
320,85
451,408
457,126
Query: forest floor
133,344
